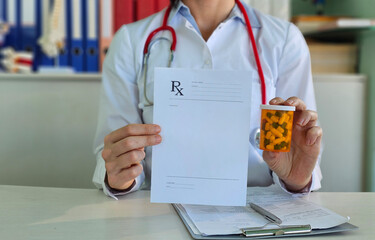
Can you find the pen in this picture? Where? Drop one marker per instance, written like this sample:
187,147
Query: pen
266,214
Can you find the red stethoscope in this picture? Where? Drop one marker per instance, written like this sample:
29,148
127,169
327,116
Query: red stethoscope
150,41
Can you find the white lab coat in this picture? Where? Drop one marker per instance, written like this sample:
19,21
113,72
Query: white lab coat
285,60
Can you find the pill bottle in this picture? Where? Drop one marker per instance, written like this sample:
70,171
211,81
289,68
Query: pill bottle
276,127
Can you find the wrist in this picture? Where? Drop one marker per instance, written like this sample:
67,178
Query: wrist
298,188
127,186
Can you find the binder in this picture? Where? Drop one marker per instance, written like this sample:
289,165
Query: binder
28,25
106,27
3,17
91,52
2,4
77,25
3,10
11,16
144,8
161,4
123,13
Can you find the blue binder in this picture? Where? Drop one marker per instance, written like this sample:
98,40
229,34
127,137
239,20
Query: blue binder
28,25
91,31
12,16
3,16
77,14
3,11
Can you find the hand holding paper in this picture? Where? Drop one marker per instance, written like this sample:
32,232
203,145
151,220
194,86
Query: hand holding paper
124,150
205,121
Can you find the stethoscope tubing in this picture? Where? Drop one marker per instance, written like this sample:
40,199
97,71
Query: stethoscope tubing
255,50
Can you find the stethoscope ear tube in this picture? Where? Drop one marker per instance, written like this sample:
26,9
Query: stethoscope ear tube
146,56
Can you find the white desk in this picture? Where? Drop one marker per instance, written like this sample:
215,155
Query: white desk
59,213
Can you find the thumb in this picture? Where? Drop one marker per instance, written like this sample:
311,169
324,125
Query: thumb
268,155
271,158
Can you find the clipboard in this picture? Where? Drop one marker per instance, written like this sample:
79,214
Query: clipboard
266,234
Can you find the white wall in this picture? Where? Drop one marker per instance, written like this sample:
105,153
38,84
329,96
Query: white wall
342,110
47,126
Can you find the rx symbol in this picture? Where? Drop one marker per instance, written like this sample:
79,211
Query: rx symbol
176,88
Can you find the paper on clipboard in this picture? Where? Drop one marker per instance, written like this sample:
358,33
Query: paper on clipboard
216,220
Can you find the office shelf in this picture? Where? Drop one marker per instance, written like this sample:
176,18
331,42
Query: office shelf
50,77
339,34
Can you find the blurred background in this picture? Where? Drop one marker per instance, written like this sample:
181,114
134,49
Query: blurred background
51,52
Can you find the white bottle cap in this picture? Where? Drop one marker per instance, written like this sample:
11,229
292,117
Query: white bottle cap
278,107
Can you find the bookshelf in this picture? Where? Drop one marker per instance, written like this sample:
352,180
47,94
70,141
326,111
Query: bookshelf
349,34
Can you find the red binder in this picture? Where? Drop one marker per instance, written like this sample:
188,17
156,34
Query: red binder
145,8
123,13
161,4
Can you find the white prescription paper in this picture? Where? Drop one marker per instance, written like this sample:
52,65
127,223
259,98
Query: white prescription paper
219,220
205,120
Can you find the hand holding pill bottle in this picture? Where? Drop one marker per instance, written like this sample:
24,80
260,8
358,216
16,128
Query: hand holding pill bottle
276,127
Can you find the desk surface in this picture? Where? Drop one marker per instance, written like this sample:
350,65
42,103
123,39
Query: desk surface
58,213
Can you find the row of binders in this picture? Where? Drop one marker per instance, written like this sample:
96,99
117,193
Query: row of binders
89,26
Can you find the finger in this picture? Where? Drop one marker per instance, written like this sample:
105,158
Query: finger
276,101
125,161
314,135
106,154
117,181
133,143
132,130
269,156
129,173
295,101
272,159
306,118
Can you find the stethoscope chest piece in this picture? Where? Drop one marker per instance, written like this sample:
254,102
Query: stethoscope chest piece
255,138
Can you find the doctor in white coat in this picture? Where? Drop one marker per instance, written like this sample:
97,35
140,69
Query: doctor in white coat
211,35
